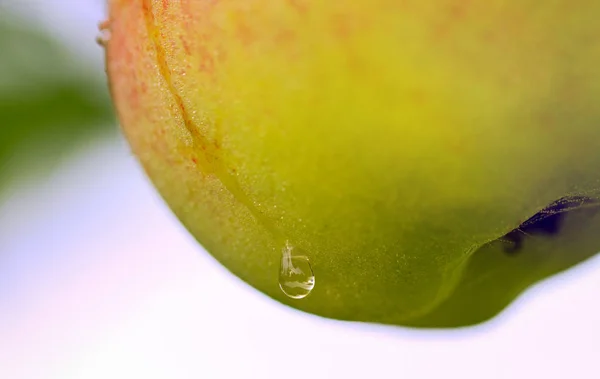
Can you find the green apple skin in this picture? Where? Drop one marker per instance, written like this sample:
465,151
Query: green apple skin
390,141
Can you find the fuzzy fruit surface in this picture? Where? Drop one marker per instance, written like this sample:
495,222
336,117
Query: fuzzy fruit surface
391,141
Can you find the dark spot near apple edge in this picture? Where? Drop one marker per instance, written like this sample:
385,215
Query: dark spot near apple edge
548,222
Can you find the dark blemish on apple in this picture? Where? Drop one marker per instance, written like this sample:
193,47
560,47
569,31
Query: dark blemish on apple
548,222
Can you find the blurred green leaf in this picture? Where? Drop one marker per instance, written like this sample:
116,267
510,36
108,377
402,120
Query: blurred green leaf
48,101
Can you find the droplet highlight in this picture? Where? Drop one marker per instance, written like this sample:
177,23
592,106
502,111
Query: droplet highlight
296,277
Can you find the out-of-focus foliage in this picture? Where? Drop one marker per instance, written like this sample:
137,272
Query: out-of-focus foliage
47,103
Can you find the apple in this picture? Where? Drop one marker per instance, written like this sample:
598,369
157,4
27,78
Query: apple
426,160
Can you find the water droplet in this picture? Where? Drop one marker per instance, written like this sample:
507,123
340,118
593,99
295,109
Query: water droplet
296,277
104,36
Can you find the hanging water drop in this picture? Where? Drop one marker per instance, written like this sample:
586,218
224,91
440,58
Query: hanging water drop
104,36
296,277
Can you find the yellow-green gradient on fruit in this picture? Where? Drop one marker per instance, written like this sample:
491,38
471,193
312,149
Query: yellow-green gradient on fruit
388,140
